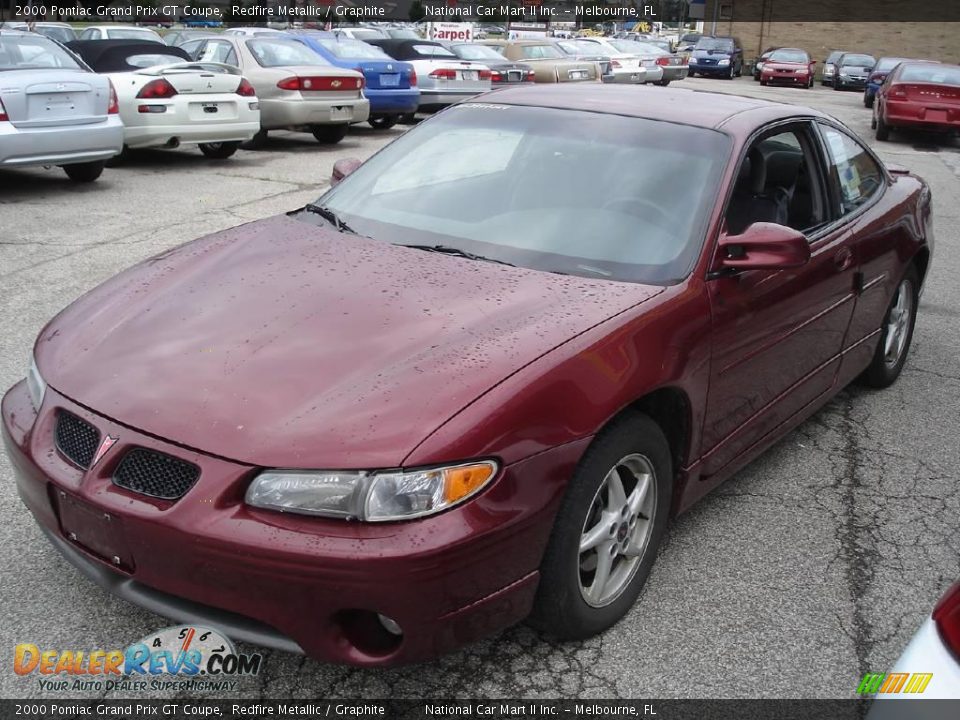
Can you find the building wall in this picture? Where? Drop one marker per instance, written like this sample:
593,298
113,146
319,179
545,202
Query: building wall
936,41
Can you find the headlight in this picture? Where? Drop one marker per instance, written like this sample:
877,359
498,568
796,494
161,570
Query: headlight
723,61
35,385
692,60
372,496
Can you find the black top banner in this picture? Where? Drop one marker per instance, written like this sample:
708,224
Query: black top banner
338,12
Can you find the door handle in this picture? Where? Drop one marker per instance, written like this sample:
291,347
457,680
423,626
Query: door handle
843,259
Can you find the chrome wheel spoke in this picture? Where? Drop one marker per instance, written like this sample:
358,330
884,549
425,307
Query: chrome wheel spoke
600,576
636,500
602,531
616,496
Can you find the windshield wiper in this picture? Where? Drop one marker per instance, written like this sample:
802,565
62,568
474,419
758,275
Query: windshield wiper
331,217
448,250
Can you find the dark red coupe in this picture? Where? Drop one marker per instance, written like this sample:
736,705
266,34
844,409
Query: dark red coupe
472,383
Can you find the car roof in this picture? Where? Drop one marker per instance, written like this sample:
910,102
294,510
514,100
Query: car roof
110,55
698,108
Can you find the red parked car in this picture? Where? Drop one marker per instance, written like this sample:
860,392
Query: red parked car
918,95
788,66
470,385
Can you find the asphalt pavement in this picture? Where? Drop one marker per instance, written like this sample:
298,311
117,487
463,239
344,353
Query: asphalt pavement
811,567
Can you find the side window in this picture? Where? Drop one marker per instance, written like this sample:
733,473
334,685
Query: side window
779,181
856,173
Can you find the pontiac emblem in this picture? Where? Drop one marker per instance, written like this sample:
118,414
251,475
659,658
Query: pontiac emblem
108,442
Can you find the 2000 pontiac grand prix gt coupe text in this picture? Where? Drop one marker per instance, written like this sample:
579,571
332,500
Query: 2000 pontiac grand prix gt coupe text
470,384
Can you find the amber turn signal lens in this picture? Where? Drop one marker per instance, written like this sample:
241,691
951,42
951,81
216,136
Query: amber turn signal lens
459,482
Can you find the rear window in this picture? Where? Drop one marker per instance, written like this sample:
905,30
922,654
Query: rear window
282,53
33,52
789,56
477,52
145,61
934,74
887,64
349,48
432,51
858,61
540,52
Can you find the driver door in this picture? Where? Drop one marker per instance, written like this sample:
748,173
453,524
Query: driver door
777,334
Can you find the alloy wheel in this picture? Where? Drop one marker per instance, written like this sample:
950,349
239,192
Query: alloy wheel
617,530
898,324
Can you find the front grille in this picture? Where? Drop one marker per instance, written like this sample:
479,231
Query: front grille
149,472
76,439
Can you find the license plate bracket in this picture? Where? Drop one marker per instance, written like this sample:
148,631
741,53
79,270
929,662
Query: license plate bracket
98,532
390,80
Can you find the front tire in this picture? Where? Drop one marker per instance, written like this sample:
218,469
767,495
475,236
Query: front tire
607,532
897,334
84,172
220,150
329,134
867,100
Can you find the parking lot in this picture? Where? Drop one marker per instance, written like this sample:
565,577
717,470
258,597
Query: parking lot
813,566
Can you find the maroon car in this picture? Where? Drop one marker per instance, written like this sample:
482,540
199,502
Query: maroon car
788,66
471,384
918,96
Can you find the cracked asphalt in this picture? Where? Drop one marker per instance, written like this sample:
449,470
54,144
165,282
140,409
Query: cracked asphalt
811,567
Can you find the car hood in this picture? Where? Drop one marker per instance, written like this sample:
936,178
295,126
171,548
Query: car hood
280,343
780,65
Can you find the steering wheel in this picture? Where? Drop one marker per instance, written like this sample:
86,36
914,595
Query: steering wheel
633,203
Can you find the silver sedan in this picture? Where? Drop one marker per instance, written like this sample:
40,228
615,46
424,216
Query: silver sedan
297,89
53,110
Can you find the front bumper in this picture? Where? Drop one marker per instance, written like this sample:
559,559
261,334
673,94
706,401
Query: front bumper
715,70
61,145
850,82
287,581
786,79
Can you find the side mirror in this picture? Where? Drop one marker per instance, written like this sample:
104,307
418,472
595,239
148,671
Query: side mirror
342,168
764,246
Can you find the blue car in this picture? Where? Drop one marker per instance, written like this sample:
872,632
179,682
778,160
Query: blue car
391,85
716,57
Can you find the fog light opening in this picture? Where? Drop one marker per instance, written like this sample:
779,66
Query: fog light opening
390,625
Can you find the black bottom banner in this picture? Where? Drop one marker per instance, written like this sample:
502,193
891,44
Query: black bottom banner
898,709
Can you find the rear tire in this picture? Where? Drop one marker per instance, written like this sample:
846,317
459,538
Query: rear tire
897,334
663,83
220,150
408,118
385,122
574,600
329,134
257,142
883,130
84,172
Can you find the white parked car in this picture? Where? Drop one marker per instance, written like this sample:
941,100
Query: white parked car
119,32
167,99
252,31
933,654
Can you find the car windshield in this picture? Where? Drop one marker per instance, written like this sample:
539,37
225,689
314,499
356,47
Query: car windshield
888,64
132,34
61,34
367,34
274,52
715,44
350,48
28,52
690,38
541,52
789,56
477,52
581,193
858,61
933,74
834,56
